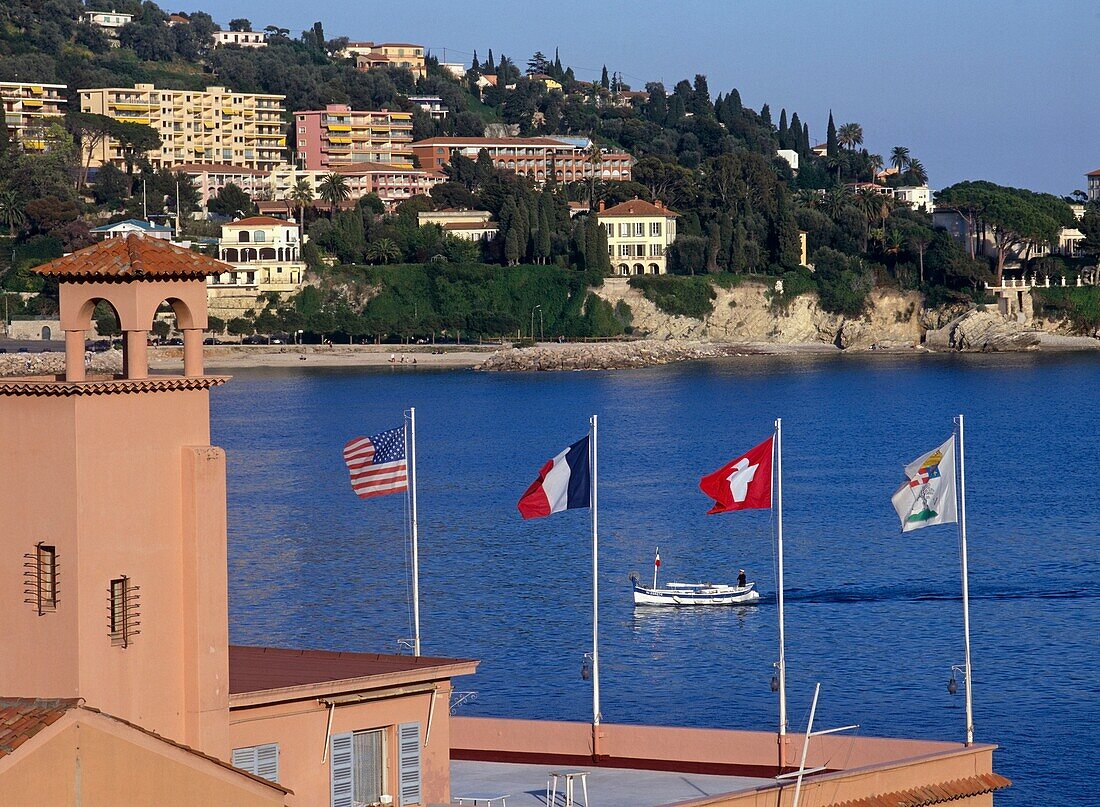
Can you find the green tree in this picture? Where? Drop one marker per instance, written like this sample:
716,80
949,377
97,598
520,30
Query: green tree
832,145
231,202
302,194
899,158
11,210
850,135
334,190
384,250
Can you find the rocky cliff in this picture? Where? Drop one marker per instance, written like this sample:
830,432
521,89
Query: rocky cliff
745,314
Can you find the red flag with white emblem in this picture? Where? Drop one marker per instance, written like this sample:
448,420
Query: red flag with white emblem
742,484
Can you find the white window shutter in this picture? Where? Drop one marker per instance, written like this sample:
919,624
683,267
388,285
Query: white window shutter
408,749
245,759
340,758
267,761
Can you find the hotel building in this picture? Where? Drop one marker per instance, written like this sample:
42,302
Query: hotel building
638,235
30,108
537,157
211,126
338,135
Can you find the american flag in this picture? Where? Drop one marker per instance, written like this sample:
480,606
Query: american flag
377,463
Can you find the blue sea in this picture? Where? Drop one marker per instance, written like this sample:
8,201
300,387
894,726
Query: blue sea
873,615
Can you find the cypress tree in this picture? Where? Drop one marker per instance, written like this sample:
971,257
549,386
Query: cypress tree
592,242
795,133
832,148
733,100
736,261
766,114
580,230
788,245
784,136
805,138
512,246
605,81
543,247
473,62
489,66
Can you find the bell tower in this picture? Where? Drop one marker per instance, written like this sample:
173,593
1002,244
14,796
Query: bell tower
114,538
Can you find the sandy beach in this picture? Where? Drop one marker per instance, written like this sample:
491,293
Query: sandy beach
229,357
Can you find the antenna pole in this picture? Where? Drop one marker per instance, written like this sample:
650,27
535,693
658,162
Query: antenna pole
965,581
782,666
415,553
595,603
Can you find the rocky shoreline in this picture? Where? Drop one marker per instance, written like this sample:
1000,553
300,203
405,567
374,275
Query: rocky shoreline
46,364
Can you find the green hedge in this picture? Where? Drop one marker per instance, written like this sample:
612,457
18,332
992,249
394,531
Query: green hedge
1081,306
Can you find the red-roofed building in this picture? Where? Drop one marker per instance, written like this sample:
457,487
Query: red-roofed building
638,235
1093,180
535,157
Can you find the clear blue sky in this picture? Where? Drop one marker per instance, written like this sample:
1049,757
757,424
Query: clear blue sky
1006,91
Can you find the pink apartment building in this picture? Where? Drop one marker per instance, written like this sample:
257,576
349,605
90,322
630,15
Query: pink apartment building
338,135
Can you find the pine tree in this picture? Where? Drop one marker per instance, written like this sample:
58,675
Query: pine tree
700,96
832,147
605,80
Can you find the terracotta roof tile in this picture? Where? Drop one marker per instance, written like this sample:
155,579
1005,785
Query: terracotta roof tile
255,669
22,718
976,785
257,221
134,256
637,207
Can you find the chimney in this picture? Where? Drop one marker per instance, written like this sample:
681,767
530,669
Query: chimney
658,204
601,205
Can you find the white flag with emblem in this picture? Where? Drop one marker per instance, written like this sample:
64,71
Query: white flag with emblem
927,496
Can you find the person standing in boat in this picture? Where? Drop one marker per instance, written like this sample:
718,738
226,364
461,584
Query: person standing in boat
741,578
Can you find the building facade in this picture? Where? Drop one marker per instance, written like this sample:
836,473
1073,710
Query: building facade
211,126
110,22
638,236
338,135
121,229
210,178
369,55
469,225
264,255
1093,186
536,157
918,197
243,39
432,104
29,109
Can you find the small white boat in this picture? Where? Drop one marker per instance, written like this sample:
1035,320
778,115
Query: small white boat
693,593
696,594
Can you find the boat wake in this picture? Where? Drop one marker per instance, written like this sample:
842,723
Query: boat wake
916,594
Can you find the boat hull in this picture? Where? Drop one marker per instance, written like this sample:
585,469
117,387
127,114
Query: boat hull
694,596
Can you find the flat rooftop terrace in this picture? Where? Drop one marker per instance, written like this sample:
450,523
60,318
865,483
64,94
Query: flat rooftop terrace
525,785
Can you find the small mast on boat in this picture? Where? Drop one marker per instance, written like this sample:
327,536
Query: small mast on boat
677,594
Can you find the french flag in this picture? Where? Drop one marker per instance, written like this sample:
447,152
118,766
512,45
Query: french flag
564,483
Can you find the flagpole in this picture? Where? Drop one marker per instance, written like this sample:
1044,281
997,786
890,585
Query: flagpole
965,582
779,593
595,606
415,554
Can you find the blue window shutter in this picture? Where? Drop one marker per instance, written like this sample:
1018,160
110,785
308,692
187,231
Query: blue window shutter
267,761
340,760
408,763
245,759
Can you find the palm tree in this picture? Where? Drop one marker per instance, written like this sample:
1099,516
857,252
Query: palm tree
874,163
383,250
807,198
917,174
850,135
893,243
334,190
835,162
835,202
899,158
11,210
302,193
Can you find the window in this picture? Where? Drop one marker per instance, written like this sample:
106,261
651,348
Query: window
259,760
41,578
123,610
639,228
655,228
358,768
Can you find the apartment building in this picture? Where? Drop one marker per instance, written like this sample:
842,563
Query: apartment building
391,184
432,104
29,109
369,55
638,235
339,135
244,39
211,126
567,159
1093,180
